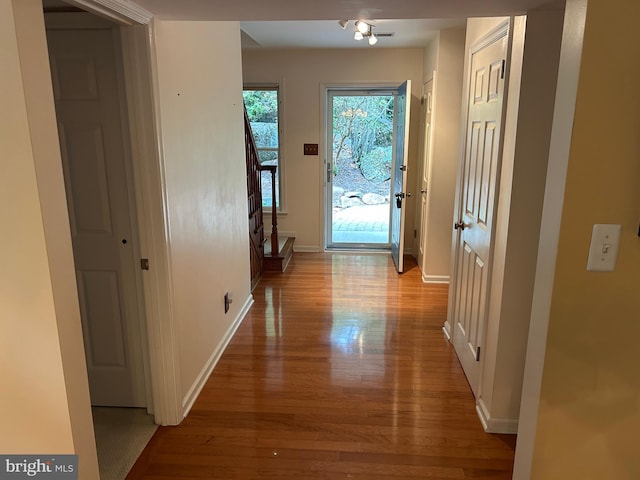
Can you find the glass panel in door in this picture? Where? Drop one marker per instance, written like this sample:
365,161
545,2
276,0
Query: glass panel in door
360,166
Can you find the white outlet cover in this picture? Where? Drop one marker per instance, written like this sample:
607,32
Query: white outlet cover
603,252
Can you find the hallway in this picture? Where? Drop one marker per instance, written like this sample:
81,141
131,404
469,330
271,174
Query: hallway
340,370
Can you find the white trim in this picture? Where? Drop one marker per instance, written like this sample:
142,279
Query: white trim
141,320
148,167
72,21
495,425
325,151
435,279
568,76
307,248
285,233
122,12
200,381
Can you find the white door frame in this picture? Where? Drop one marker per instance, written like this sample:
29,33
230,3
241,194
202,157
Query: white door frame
138,51
325,150
420,241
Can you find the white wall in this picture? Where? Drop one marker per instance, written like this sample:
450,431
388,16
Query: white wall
199,79
449,67
42,362
430,58
301,74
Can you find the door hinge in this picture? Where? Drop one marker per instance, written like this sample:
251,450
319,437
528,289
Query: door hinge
504,63
144,263
415,233
477,354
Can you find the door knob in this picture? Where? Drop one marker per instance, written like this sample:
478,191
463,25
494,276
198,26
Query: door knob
459,225
424,190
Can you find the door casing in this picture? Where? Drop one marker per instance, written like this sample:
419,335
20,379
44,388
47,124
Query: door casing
326,150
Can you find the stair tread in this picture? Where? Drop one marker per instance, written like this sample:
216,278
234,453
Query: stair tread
284,244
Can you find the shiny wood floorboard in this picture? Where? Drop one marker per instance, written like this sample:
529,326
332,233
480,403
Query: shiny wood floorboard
339,371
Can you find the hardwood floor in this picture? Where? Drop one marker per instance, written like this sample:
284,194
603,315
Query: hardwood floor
340,371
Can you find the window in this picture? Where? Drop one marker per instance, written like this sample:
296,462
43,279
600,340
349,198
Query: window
262,109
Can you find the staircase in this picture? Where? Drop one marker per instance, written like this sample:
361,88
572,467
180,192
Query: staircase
279,261
276,254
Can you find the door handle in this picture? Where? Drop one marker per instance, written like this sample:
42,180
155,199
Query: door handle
424,190
399,196
459,225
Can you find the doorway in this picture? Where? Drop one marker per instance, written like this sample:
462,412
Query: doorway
360,161
91,110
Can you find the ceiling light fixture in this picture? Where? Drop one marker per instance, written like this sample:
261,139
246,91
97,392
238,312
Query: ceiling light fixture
363,29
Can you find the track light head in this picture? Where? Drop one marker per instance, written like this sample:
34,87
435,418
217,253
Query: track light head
363,27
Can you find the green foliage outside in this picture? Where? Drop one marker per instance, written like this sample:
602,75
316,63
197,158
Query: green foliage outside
376,165
363,130
262,105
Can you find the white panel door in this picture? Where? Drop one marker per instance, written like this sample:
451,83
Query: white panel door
477,200
424,175
400,161
88,109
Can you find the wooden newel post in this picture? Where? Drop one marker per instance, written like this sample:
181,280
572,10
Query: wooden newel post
275,247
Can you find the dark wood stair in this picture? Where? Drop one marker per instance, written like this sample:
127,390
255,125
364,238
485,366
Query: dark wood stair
279,261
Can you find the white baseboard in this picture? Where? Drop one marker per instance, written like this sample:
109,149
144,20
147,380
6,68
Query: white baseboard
440,279
495,425
197,386
306,248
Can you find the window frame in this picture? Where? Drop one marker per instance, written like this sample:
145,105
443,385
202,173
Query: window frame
277,87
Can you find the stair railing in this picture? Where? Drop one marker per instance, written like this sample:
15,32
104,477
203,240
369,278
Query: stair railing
254,191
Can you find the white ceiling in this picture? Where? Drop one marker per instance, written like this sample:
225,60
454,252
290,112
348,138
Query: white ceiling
314,23
245,10
328,34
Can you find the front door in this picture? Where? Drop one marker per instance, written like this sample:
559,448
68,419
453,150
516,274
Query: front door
477,190
399,188
88,108
359,167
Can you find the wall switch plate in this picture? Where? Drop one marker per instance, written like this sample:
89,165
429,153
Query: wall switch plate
228,300
603,253
311,149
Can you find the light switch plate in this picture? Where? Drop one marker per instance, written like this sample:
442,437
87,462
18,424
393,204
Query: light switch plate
603,253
